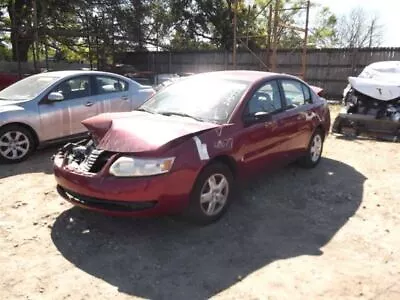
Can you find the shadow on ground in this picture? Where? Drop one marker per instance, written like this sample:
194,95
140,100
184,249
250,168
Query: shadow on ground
282,215
380,139
39,162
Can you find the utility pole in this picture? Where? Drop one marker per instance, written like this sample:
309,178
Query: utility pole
36,36
247,25
88,31
234,33
15,35
268,63
275,36
304,54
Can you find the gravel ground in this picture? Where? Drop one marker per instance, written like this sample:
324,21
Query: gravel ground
328,233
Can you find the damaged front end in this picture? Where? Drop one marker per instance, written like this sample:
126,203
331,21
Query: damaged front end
364,114
82,157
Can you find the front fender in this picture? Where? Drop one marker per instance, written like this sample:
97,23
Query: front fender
20,116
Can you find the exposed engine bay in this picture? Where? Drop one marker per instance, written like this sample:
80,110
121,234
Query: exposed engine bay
371,103
358,103
83,156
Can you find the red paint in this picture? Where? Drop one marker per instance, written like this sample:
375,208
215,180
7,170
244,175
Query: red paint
140,131
7,79
279,140
317,90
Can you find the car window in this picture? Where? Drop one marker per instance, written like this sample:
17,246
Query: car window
106,85
266,99
307,93
77,87
296,93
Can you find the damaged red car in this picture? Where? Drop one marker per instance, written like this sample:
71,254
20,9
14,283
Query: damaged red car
184,149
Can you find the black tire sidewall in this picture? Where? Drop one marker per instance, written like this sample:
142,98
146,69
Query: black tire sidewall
194,212
307,162
26,132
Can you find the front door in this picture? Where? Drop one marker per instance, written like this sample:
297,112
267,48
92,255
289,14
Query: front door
263,138
63,118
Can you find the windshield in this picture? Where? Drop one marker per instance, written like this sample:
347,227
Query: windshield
27,88
204,98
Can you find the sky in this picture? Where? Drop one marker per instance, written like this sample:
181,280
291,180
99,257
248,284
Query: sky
388,12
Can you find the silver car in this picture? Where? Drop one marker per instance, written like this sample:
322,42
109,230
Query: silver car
49,107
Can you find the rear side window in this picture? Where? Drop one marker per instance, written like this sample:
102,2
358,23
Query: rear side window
296,93
307,94
107,85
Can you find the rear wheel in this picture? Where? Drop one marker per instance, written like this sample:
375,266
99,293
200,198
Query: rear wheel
211,194
16,143
314,151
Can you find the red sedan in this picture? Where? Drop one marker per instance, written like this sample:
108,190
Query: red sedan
183,149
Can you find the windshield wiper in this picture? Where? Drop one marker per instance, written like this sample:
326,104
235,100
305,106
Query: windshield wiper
173,113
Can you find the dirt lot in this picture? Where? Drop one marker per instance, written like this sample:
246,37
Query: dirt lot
331,233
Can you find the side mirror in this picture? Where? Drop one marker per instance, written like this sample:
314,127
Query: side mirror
260,115
55,96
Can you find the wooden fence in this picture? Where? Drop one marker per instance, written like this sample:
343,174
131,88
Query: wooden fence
327,68
28,67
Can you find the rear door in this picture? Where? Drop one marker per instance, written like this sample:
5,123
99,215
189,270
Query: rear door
112,93
298,117
63,118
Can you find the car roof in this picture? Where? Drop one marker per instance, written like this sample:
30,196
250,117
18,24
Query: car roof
76,72
243,75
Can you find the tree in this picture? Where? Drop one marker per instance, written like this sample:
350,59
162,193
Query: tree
52,17
211,21
323,34
358,29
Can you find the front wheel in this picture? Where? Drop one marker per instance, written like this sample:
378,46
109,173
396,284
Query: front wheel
314,150
16,143
211,194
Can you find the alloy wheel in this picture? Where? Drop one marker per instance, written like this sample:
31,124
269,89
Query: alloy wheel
14,145
316,148
214,194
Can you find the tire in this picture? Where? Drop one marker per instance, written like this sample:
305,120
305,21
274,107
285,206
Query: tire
314,150
16,144
207,204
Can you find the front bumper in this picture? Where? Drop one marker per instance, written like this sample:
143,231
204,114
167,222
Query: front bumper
359,124
145,196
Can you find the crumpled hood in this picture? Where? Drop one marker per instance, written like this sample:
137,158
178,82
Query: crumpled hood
377,89
140,131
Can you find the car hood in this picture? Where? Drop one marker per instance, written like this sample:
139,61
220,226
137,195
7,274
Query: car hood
9,105
376,88
136,131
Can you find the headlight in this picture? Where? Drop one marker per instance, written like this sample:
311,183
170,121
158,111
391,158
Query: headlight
135,167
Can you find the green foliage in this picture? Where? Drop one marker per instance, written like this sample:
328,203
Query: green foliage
323,35
5,53
95,30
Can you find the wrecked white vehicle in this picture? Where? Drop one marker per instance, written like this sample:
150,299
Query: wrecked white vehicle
371,103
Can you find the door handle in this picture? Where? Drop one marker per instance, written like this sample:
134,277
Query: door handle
124,98
89,103
269,124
